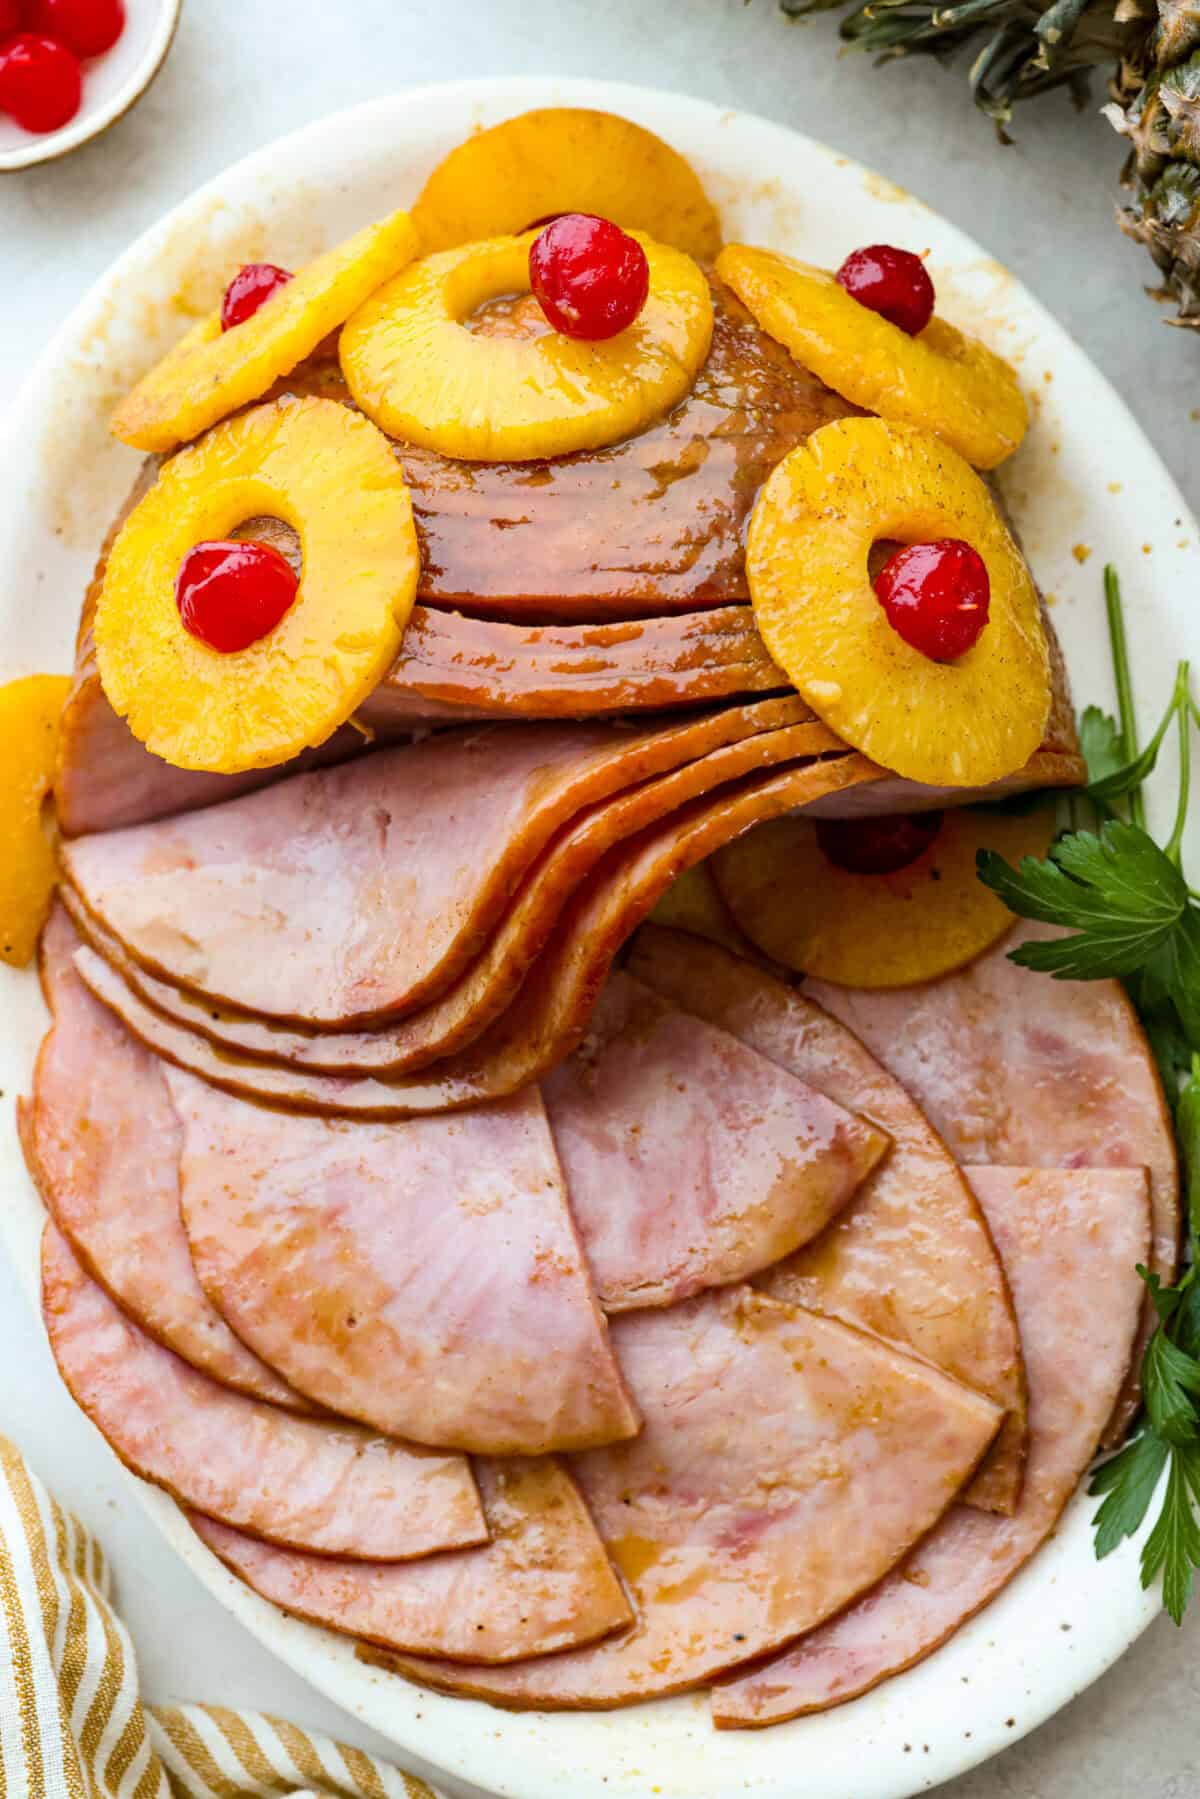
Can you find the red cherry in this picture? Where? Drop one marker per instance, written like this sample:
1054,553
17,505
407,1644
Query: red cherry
247,291
877,846
231,594
892,282
86,27
12,17
590,277
936,596
40,82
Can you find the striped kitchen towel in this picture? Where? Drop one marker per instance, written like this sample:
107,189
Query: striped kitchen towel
72,1721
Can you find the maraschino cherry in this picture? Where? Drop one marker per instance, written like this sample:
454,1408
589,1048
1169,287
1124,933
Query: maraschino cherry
230,594
892,282
12,18
877,846
590,277
86,27
253,284
936,596
41,84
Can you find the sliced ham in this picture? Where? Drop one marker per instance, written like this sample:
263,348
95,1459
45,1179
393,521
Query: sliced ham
424,1278
785,1464
377,882
470,1004
550,1013
912,1259
1015,1068
691,1161
542,1583
1070,1241
103,1146
303,1482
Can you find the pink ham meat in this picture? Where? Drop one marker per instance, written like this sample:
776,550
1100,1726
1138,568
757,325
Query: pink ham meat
303,1482
1070,1241
550,1014
424,1278
470,1004
911,1260
786,1462
692,1162
542,1583
1015,1068
377,882
103,1145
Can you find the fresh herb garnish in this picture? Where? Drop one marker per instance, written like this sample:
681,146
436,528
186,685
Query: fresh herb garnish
1132,915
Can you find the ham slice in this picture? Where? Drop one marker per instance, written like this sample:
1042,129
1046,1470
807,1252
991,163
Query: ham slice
103,1145
467,1007
304,1482
1070,1239
785,1464
542,1583
424,1278
1015,1068
691,1161
911,1260
377,882
550,1014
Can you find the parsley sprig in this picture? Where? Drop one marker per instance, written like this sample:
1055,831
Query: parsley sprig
1131,914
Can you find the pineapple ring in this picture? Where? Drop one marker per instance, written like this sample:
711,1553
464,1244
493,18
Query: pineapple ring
854,483
328,473
211,373
942,379
566,159
30,711
415,367
875,930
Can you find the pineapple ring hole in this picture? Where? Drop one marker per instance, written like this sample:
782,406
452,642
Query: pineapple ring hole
278,535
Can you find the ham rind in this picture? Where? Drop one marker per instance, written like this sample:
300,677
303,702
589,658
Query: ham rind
424,1278
305,1483
542,1583
1070,1240
103,1145
1017,1069
481,994
691,1161
549,1016
786,1462
377,882
912,1259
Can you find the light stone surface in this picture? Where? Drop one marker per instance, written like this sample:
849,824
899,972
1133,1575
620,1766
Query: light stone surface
244,71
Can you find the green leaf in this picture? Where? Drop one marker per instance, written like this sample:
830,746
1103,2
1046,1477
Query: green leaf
1187,1126
1180,956
1171,1381
1101,742
1166,1299
1174,1544
1129,1480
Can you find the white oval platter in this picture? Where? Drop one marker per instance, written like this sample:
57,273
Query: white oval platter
1085,489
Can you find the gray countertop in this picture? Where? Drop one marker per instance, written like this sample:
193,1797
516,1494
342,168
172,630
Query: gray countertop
244,71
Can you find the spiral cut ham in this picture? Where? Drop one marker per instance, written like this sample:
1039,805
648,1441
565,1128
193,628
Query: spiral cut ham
304,1482
1070,1239
424,1278
542,1583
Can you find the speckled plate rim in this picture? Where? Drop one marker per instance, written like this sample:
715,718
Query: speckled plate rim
1086,488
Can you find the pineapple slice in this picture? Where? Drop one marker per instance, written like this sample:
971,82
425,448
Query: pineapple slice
693,903
414,365
942,379
854,483
875,930
328,473
30,711
566,159
211,373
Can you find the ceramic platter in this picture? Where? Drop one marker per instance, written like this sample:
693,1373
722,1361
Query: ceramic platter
1086,477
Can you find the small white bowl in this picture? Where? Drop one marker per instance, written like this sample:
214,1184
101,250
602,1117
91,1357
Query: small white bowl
112,83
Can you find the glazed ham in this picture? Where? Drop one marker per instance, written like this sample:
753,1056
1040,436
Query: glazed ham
1070,1240
691,1161
542,1583
785,1462
424,1278
911,1260
304,1482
